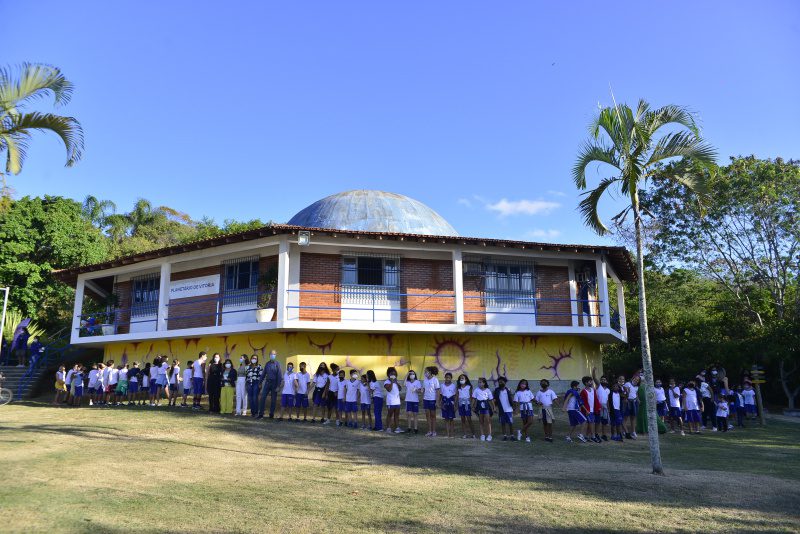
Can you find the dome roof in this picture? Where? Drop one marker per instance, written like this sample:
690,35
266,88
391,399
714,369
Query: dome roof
373,211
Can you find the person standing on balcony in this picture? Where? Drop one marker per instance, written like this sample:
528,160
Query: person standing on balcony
271,380
214,383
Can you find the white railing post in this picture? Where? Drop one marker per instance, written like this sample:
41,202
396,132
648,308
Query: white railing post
573,293
283,279
602,292
77,310
458,286
163,297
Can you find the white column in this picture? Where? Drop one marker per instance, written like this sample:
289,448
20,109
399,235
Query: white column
77,310
163,296
458,286
573,293
283,278
621,306
602,292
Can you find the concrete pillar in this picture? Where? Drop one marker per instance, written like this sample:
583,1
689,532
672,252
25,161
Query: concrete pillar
163,296
573,293
602,292
77,310
283,278
458,286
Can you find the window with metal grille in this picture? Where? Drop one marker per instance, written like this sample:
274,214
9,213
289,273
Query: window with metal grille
241,281
367,277
144,295
507,283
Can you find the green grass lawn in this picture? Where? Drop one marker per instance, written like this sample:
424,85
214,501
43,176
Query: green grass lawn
156,470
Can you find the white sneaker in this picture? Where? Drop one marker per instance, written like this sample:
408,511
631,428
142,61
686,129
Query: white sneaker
581,438
568,439
703,427
489,437
519,435
483,438
714,429
429,434
433,434
528,439
398,430
633,434
683,433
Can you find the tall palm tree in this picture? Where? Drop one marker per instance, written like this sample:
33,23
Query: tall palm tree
141,215
21,86
634,145
97,211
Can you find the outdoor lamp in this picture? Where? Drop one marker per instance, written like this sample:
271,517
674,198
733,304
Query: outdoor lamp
304,238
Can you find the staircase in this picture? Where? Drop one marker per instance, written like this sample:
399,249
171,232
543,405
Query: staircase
17,381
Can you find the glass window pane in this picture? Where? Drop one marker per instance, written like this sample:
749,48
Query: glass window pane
349,271
370,271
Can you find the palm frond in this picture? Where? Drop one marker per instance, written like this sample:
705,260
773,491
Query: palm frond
671,114
588,206
589,153
682,145
32,81
66,128
16,148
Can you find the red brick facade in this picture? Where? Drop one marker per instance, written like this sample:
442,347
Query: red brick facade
553,283
320,272
427,277
474,306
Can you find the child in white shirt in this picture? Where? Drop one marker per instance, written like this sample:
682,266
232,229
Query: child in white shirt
412,401
465,406
352,388
448,396
288,392
301,397
483,397
366,403
523,399
545,398
392,401
430,396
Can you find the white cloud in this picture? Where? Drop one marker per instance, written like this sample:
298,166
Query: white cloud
555,193
540,233
505,207
465,202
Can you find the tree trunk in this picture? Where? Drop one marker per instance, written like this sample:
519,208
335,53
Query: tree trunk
647,362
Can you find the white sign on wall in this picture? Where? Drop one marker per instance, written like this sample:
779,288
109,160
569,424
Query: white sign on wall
194,287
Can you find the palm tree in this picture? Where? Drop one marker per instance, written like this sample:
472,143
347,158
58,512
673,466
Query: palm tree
635,145
141,215
21,86
97,211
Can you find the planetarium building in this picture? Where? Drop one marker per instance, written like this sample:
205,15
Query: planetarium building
364,279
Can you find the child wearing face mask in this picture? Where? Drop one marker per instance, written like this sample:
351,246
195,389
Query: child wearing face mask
661,400
253,384
545,398
430,396
483,406
448,396
412,386
320,395
602,395
187,383
692,406
351,390
366,403
229,377
392,401
333,395
505,409
376,392
301,397
523,399
465,406
241,386
288,392
341,403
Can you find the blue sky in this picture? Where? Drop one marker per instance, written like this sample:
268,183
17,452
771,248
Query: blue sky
256,109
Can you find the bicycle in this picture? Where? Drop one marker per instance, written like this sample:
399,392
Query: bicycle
5,394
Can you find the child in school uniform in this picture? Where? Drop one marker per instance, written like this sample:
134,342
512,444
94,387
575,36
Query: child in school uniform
545,398
187,384
505,409
154,370
430,397
691,403
163,382
631,408
675,412
483,407
574,406
590,408
603,392
61,385
333,395
523,399
111,385
616,401
412,386
174,379
392,389
301,397
320,395
465,406
723,410
366,403
376,391
351,388
92,385
77,386
341,403
99,385
661,401
133,383
288,392
739,407
122,384
145,389
749,395
448,396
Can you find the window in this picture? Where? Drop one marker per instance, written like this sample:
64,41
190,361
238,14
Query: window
370,271
241,281
506,283
144,295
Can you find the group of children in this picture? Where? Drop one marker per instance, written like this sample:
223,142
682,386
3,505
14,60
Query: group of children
595,410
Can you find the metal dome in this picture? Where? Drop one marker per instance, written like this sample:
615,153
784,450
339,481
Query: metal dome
373,211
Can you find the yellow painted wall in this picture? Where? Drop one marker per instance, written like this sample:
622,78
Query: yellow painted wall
516,357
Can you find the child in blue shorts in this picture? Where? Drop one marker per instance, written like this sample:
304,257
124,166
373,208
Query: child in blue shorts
412,400
448,395
483,399
505,409
366,403
573,404
523,399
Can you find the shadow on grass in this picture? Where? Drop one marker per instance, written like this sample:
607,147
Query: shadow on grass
711,471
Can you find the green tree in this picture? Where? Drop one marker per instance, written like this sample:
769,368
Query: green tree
633,145
38,235
98,211
19,87
748,241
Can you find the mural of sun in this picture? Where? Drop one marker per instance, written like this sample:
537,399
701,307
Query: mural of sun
451,354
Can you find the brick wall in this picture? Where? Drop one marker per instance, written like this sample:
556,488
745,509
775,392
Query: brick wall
123,314
473,286
320,272
427,277
204,306
553,283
